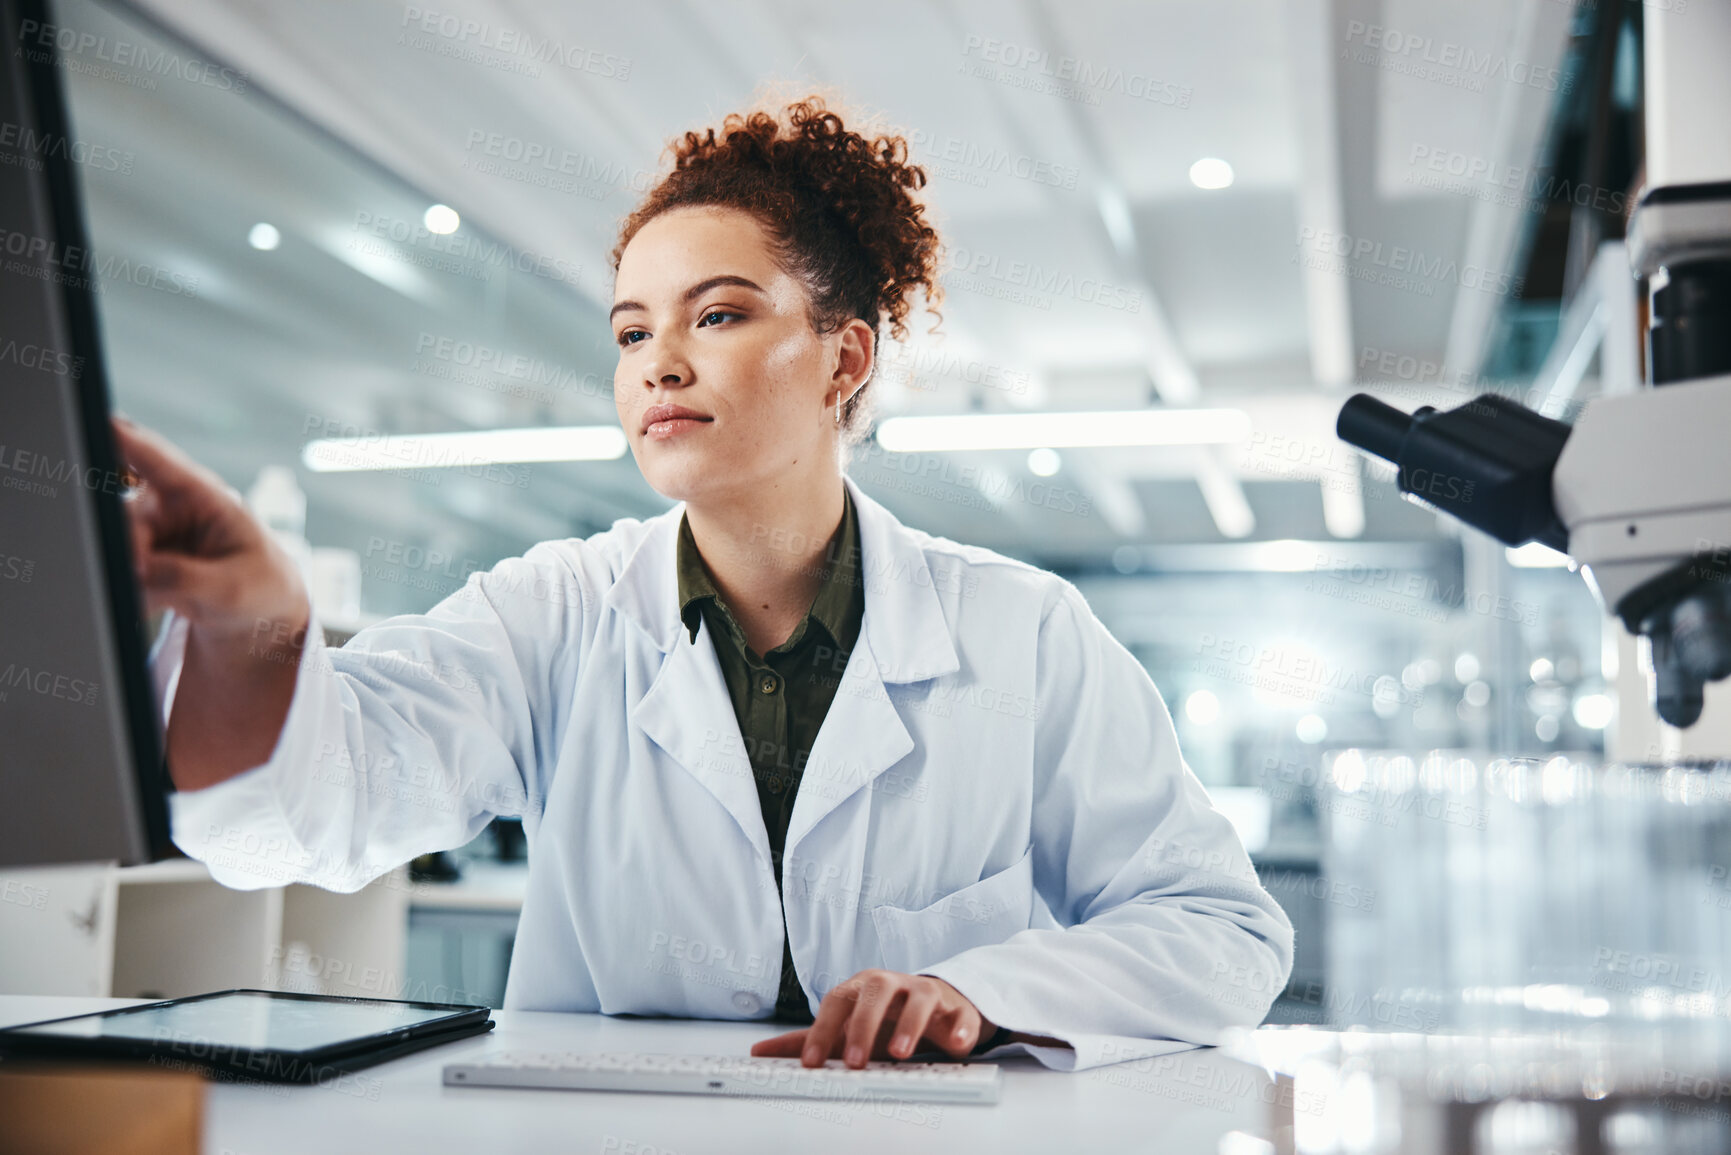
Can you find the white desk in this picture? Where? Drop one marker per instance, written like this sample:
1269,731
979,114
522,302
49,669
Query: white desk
1179,1105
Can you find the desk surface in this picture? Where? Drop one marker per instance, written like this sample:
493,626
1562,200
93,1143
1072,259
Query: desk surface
1176,1105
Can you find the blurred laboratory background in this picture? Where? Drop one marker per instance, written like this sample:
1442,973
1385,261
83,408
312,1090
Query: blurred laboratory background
359,220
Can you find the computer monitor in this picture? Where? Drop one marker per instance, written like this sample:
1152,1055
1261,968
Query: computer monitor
81,770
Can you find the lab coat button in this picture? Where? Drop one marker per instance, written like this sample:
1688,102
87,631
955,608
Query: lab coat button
746,1002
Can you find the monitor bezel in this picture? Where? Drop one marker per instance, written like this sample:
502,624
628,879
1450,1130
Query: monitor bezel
42,84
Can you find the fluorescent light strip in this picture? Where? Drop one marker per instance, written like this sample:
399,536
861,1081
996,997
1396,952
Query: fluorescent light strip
480,447
1086,430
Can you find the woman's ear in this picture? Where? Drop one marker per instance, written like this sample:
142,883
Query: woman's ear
855,358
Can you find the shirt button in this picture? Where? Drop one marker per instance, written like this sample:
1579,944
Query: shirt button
767,683
746,1002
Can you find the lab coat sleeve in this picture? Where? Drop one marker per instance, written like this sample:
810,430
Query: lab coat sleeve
407,740
1166,937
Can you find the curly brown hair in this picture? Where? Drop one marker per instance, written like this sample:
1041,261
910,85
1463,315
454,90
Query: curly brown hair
839,209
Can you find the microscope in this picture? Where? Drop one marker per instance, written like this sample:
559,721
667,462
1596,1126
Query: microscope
1638,490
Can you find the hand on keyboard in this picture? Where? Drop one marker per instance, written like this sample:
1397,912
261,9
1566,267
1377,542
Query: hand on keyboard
880,1014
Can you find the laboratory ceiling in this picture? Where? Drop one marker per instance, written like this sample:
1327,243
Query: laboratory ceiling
1364,241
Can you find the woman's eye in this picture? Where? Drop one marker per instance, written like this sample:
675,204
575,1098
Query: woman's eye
625,338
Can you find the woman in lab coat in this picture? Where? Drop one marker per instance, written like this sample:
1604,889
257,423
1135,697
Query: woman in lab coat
992,837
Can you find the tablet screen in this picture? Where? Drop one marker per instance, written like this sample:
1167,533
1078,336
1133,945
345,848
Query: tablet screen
249,1021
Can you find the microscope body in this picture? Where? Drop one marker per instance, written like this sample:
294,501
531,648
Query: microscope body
1643,487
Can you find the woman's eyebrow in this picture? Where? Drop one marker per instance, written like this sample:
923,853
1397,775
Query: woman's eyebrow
694,292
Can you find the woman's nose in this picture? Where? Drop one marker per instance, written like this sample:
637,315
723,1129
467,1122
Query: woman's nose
666,368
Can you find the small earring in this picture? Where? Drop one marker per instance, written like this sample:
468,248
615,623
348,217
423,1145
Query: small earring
838,407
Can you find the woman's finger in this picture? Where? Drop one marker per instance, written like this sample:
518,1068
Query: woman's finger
182,584
879,997
140,512
916,1012
954,1028
825,1033
786,1046
153,458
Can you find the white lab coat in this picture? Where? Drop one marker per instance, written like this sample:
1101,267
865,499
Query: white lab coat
996,797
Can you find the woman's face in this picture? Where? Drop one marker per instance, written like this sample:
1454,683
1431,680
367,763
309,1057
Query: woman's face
707,321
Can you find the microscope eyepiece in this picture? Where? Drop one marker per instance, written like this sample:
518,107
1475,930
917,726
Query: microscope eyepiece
1373,426
1488,463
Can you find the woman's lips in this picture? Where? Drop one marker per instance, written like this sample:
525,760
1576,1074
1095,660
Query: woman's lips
673,427
669,420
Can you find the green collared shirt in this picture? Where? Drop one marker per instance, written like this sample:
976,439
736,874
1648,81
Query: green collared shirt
780,698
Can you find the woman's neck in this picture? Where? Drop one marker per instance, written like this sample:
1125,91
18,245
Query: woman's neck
767,553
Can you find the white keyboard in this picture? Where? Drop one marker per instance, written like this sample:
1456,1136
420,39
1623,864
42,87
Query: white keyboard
732,1075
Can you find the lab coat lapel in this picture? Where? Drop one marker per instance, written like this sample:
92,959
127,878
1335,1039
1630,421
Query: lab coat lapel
904,638
861,737
686,709
688,714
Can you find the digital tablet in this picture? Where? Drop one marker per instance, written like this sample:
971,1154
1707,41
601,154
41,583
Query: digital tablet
268,1036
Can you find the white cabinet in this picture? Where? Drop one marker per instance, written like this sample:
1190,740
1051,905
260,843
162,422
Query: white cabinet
57,930
168,929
